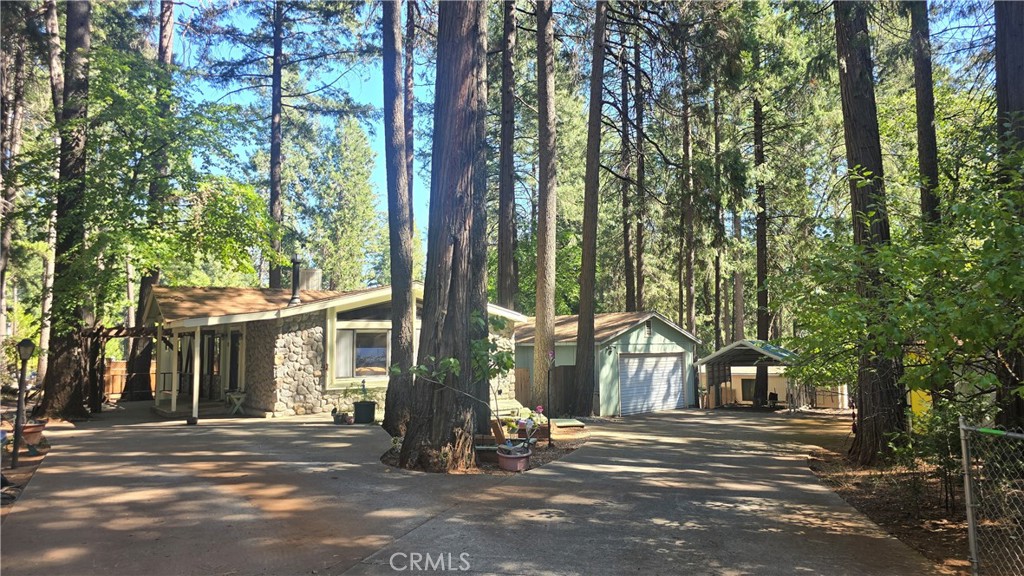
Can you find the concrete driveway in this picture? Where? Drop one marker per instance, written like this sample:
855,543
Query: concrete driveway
683,492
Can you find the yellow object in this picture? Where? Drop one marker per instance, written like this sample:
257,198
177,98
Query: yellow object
920,402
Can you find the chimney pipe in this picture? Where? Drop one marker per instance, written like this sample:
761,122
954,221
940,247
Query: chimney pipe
295,281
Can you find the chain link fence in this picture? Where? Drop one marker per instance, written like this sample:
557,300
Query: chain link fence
994,494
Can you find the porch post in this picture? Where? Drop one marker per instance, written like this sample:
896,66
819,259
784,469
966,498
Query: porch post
174,370
196,348
158,349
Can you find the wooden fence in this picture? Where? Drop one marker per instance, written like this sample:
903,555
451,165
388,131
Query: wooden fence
563,388
115,378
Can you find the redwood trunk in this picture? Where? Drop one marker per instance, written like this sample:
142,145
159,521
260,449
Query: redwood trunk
276,208
738,314
398,400
138,386
591,189
440,434
478,329
1010,112
880,398
507,282
927,148
66,377
641,189
544,345
56,72
761,241
627,209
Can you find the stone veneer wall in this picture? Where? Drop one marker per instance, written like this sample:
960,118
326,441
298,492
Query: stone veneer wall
299,361
260,390
285,370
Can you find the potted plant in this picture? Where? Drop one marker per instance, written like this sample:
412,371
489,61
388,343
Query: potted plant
515,456
32,432
365,409
341,417
541,429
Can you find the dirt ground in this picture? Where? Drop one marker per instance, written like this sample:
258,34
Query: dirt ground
20,476
907,505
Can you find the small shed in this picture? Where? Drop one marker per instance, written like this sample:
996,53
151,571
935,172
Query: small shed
643,361
729,375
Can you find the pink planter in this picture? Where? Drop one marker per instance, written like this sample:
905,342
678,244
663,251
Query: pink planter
514,462
32,434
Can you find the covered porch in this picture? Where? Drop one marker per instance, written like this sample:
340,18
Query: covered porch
200,371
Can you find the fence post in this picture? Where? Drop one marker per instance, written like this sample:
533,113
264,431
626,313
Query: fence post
972,537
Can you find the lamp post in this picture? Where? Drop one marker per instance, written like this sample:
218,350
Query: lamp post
25,349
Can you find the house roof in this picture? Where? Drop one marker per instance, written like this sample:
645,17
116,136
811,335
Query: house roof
190,306
750,353
607,327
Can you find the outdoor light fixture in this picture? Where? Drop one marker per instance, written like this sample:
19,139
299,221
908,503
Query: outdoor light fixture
25,349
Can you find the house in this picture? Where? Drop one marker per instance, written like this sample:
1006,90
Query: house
730,373
276,352
643,361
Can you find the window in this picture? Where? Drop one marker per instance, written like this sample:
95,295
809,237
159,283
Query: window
748,389
360,354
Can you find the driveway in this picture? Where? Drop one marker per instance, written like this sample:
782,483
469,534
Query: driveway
682,492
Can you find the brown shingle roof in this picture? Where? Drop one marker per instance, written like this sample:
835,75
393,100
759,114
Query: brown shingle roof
183,302
606,326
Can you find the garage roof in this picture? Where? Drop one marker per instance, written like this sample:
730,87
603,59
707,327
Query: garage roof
608,326
750,353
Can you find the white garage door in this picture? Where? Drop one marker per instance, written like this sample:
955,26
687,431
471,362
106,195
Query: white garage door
651,382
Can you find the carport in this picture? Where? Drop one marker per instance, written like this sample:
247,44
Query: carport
740,353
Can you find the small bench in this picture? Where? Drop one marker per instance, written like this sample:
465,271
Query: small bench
235,400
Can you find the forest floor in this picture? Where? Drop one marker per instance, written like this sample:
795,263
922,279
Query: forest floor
907,504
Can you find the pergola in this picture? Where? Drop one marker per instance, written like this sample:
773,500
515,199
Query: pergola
743,353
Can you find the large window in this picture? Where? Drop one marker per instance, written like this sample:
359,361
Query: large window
359,354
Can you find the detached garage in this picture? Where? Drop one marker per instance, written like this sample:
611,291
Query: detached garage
643,361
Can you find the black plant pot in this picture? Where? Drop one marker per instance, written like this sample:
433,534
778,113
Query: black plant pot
364,411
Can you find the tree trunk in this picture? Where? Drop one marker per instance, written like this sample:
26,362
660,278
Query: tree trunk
624,159
761,241
56,70
641,189
276,208
478,329
927,148
738,315
687,290
141,354
591,190
719,215
880,398
11,134
398,400
63,386
543,343
410,99
1010,112
507,282
440,434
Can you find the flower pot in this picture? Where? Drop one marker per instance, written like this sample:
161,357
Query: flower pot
514,462
365,410
32,434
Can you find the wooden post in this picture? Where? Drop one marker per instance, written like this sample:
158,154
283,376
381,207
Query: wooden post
174,371
196,351
158,350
